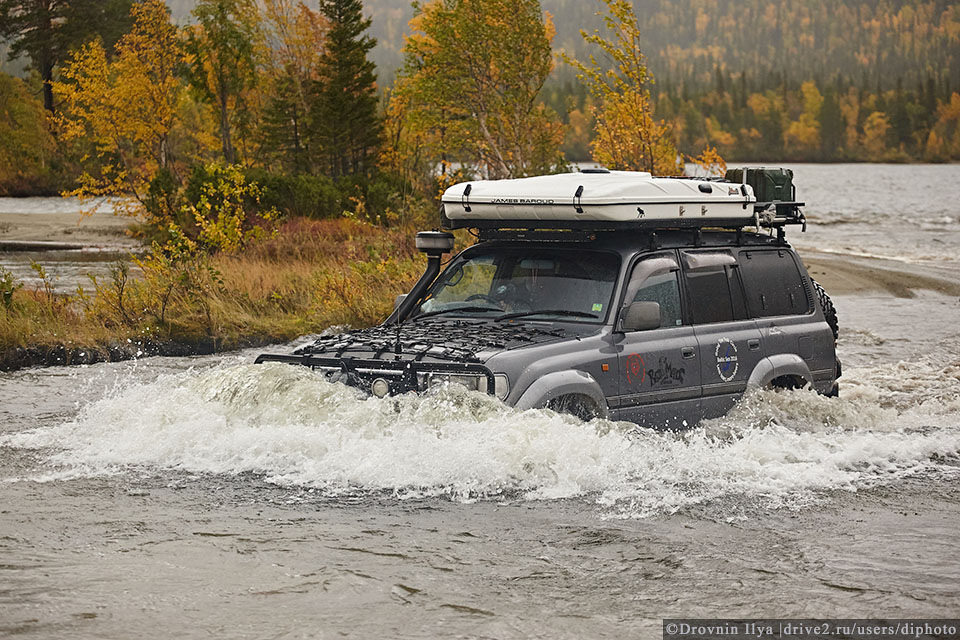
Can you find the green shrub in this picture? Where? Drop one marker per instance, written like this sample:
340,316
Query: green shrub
300,195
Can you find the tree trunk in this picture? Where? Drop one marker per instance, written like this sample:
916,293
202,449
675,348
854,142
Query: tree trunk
46,57
46,74
228,153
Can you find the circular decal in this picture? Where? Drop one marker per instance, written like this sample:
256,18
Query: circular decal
727,365
635,368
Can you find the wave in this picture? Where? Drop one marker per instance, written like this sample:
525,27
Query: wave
291,428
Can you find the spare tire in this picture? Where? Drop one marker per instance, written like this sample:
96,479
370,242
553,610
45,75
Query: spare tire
829,311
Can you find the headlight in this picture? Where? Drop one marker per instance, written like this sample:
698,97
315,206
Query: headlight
472,382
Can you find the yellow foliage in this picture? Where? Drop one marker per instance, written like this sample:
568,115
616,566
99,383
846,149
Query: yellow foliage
934,151
628,136
462,98
299,34
711,162
718,136
221,210
802,134
812,100
758,103
950,111
875,135
629,139
127,106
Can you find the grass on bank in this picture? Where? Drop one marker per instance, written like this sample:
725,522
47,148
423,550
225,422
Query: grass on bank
307,276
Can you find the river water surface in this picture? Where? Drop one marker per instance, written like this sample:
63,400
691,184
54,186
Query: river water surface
208,497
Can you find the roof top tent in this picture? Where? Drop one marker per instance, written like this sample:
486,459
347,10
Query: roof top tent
600,199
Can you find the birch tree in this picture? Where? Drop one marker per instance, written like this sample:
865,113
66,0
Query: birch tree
473,70
225,49
628,136
126,108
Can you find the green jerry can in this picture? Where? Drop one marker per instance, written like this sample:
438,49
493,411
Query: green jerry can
770,184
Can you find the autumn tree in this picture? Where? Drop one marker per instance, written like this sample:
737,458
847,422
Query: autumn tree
299,36
27,150
346,126
803,134
224,52
473,70
875,130
628,136
126,108
46,31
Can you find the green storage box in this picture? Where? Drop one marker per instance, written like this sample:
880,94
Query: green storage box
770,184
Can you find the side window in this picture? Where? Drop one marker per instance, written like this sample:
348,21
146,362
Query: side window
664,290
709,296
655,279
713,284
736,293
772,283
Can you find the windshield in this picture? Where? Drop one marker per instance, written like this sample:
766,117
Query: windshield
537,283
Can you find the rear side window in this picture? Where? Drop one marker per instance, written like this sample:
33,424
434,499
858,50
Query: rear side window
772,283
709,296
713,285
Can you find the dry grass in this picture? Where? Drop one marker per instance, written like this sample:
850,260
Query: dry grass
310,275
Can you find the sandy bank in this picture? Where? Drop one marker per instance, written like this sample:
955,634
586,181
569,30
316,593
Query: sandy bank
103,230
850,275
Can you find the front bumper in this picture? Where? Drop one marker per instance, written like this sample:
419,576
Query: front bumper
400,376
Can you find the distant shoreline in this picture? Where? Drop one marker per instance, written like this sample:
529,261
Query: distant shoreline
588,163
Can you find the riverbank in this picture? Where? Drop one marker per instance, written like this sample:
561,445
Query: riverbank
844,275
307,276
100,229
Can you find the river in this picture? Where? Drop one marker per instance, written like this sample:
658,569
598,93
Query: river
199,497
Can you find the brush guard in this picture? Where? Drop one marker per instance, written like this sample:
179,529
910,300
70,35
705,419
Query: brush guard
400,375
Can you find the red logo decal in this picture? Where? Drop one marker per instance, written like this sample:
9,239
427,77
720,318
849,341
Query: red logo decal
635,368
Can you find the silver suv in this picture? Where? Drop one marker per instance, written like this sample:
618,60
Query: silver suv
659,328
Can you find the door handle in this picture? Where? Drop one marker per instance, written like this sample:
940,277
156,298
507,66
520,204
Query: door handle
753,345
688,352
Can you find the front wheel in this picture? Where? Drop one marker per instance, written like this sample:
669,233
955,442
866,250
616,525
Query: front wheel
574,405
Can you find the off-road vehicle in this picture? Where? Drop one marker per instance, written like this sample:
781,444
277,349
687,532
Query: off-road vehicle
654,300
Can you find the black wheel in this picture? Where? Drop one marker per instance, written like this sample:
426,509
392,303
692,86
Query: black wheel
830,314
574,405
829,311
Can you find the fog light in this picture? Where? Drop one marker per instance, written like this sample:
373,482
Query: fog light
501,386
380,387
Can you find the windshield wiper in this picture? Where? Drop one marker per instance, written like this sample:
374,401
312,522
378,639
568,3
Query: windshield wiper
471,309
548,312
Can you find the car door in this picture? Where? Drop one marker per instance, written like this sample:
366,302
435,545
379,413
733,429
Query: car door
658,369
728,340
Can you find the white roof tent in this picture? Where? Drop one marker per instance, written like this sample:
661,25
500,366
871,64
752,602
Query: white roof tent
599,199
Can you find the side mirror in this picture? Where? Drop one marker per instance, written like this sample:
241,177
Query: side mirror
399,299
641,316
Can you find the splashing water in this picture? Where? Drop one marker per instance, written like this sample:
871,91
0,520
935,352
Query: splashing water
294,429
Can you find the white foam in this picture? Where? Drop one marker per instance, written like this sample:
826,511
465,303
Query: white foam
294,429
